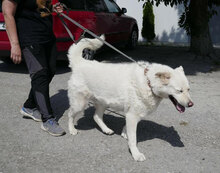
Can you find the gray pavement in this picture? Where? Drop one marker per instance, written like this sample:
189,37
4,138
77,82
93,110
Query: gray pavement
171,142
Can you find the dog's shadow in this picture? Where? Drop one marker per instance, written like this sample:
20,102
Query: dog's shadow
60,103
146,130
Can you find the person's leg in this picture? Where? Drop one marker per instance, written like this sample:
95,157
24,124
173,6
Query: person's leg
29,109
37,62
51,125
51,54
30,102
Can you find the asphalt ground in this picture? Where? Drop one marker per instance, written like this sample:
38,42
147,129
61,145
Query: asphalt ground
172,142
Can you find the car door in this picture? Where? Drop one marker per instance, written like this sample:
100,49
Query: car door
104,21
76,11
119,20
4,42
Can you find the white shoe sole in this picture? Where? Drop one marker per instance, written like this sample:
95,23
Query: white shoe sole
29,116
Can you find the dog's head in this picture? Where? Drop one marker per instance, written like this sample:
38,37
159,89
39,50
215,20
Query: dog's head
174,85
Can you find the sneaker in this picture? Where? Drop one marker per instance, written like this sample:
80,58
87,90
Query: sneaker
31,113
52,127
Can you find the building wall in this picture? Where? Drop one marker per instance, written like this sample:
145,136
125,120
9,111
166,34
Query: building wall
166,22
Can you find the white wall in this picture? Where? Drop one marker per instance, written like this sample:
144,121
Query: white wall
166,22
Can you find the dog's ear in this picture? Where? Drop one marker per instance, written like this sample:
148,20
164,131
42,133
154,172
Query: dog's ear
164,77
180,68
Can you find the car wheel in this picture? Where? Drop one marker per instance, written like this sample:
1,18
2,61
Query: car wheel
6,60
132,43
88,54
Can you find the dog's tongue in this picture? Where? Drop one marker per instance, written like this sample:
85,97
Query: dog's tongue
180,108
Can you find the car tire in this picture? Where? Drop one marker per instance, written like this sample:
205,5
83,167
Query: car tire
6,60
88,54
132,42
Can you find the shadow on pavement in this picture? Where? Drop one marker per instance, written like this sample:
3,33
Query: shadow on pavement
146,130
60,103
9,67
173,56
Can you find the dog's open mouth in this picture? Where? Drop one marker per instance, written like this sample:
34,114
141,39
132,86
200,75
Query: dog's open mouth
178,106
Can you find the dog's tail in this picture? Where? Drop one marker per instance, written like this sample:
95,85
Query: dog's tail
75,51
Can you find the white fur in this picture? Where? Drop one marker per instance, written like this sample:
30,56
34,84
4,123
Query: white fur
124,88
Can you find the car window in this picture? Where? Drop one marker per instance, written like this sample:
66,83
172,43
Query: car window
74,4
95,5
112,7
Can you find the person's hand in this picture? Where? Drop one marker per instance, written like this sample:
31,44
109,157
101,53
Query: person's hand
58,7
16,53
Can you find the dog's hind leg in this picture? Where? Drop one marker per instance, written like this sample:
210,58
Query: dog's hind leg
98,117
77,107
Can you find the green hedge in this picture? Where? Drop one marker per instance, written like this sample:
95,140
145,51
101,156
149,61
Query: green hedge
148,22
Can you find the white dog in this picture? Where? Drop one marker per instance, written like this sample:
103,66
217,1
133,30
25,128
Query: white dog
128,88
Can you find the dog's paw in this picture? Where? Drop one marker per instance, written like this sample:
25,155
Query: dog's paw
108,131
124,135
139,157
73,131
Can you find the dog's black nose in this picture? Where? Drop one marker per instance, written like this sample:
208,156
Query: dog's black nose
190,104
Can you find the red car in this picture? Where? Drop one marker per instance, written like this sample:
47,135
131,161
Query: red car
98,16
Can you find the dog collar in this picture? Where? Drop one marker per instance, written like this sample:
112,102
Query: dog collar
148,81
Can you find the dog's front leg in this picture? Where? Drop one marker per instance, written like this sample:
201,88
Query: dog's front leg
131,126
72,116
124,133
